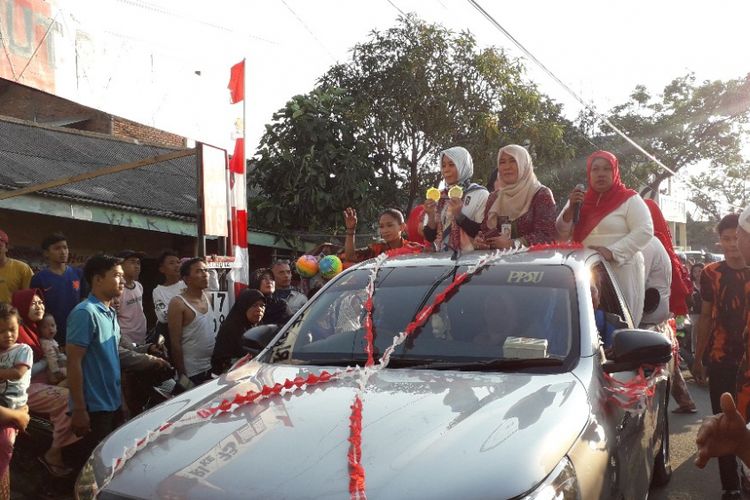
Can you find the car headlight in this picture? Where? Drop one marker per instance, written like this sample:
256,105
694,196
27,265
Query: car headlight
561,484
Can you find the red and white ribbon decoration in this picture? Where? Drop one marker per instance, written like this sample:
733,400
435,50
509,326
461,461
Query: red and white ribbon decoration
631,395
631,390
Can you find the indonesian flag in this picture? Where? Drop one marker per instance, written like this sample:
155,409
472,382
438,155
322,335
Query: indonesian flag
237,82
240,276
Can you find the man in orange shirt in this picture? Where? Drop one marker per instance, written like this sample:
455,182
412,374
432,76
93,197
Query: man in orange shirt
14,274
725,288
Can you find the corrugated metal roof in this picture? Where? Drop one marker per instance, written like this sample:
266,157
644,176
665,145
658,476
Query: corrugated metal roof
31,154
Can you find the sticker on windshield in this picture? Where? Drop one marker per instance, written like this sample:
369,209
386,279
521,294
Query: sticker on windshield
525,276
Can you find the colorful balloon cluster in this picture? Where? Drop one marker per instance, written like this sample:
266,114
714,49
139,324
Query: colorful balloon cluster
328,267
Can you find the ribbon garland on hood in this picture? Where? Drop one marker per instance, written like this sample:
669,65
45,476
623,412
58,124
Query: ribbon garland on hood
633,392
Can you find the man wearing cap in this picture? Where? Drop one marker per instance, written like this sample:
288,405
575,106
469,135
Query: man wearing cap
129,306
14,274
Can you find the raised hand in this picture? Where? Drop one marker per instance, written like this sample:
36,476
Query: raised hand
350,218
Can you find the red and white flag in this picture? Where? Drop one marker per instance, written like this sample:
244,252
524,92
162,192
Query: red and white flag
237,194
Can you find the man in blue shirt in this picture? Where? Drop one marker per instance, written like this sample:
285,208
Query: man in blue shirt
62,284
93,361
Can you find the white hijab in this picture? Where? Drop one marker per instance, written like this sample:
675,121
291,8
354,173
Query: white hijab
514,200
462,159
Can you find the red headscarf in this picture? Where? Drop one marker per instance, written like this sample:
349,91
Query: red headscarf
27,331
413,223
682,286
597,206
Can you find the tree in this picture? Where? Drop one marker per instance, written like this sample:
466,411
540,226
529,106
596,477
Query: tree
420,88
314,161
722,190
689,123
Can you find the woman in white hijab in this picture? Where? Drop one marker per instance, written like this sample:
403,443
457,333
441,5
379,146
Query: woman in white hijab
452,223
522,211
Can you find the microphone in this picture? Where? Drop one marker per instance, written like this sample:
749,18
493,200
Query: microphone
577,206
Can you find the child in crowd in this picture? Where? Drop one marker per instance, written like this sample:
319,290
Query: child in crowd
56,360
129,305
63,285
15,377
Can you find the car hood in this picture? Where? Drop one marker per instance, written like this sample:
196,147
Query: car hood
425,434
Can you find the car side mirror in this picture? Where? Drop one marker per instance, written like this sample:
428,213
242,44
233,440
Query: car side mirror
257,338
633,348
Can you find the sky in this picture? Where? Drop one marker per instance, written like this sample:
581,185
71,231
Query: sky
600,49
166,62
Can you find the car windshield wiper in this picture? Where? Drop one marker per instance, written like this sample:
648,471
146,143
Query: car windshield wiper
500,364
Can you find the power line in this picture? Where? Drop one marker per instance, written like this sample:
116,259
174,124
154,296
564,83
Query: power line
304,25
41,42
161,10
7,54
588,106
397,7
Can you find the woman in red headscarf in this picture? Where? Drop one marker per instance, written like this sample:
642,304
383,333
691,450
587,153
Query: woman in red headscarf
44,398
682,285
613,220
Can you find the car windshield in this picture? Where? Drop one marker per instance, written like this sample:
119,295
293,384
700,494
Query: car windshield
503,313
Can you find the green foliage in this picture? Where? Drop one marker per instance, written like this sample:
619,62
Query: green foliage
688,124
722,188
312,163
421,88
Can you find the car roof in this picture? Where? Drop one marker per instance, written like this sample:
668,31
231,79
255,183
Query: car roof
548,256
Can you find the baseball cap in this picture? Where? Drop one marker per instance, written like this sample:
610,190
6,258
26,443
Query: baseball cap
127,254
745,219
4,237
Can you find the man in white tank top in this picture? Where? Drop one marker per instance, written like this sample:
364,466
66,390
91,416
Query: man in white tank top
191,332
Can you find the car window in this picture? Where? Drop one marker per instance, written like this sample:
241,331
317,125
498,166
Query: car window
609,300
505,311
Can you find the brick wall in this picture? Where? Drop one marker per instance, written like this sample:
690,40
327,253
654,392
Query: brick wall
32,105
131,130
25,103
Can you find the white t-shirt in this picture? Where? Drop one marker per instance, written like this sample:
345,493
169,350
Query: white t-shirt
658,275
130,314
13,392
163,295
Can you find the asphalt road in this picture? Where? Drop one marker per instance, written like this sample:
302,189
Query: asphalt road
689,482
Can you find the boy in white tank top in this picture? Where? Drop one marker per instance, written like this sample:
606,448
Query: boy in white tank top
191,332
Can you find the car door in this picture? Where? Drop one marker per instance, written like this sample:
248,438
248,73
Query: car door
631,431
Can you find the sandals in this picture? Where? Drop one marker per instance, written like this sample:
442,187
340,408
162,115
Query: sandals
685,409
55,470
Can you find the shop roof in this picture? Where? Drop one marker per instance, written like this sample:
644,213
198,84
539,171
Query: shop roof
31,154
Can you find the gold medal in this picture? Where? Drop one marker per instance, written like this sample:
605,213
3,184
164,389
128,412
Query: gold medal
433,194
456,193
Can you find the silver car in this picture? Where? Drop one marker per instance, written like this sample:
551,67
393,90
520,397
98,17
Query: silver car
504,391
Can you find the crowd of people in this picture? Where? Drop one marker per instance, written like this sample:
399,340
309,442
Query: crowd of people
75,344
76,349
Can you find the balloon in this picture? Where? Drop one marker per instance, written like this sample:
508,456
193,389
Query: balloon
330,266
307,266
